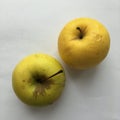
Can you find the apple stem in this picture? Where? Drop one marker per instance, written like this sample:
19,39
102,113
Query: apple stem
81,34
60,71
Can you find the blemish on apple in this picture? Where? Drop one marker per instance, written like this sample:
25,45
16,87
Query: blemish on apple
23,80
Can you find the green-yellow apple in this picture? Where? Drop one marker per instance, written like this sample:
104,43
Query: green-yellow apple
83,43
38,79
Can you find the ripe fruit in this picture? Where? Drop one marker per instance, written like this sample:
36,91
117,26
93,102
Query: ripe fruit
83,43
38,79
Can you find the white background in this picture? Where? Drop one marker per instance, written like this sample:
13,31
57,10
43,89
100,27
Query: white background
32,26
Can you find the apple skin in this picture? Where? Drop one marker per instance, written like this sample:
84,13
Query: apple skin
38,79
83,43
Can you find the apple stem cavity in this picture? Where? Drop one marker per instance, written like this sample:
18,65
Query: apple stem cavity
39,79
81,33
43,83
42,79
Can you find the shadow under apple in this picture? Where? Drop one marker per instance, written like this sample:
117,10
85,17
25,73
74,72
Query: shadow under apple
85,81
82,75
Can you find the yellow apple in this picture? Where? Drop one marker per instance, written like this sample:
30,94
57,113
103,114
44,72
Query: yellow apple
83,43
38,79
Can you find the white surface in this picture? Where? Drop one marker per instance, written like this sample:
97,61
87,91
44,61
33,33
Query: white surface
30,26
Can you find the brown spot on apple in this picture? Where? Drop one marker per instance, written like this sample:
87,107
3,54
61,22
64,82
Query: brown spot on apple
23,80
41,88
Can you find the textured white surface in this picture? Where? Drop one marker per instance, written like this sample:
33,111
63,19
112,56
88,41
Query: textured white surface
30,26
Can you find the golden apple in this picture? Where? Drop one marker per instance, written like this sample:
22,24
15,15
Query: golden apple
38,79
83,43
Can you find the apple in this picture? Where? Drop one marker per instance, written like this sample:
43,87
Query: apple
38,79
83,43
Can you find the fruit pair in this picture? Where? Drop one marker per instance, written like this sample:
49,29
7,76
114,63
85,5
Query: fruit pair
39,79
